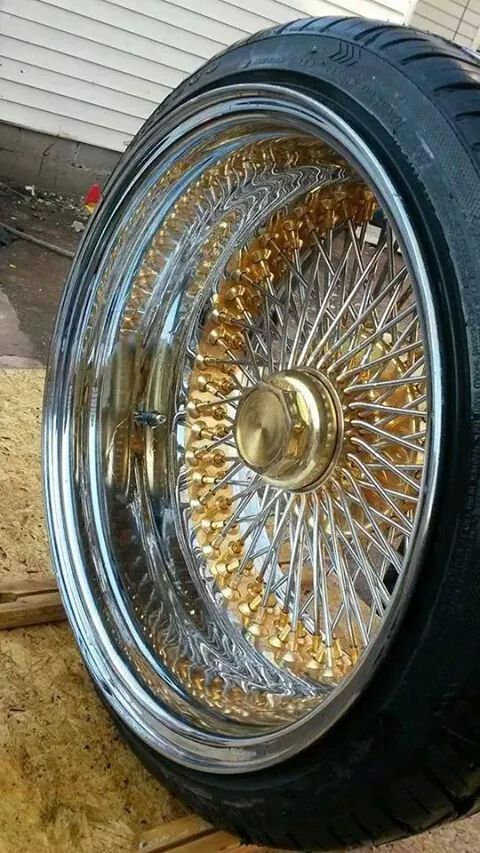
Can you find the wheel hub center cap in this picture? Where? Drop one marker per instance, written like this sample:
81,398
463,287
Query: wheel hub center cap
287,428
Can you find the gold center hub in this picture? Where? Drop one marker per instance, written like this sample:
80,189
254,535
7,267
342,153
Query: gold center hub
287,429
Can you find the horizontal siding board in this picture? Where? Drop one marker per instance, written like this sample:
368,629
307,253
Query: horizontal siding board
70,45
466,29
242,18
126,20
472,17
455,8
457,21
157,13
93,70
432,26
36,77
385,9
273,11
116,82
64,21
68,107
439,16
463,40
283,12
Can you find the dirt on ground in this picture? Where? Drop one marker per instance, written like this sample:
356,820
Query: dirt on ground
32,277
67,782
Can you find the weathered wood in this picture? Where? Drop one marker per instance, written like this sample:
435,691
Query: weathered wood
29,602
190,835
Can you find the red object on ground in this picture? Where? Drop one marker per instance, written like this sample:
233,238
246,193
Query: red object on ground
92,197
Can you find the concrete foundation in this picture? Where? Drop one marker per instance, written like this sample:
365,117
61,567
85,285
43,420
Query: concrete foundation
51,163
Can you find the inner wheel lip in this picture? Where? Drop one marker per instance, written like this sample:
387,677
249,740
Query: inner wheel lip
129,699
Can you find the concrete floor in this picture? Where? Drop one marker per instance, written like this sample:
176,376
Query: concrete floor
31,279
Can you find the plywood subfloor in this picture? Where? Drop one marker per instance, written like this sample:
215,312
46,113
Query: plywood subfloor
67,783
23,547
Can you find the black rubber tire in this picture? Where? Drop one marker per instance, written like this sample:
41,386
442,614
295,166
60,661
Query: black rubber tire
406,757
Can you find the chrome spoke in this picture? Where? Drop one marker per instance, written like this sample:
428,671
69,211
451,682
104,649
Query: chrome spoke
345,305
387,384
386,494
317,559
372,338
365,314
388,436
323,307
387,464
382,360
382,540
378,590
294,575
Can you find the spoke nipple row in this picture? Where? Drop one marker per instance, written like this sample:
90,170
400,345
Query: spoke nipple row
206,383
196,407
200,430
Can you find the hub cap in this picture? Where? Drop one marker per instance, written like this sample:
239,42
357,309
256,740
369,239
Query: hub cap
241,448
286,428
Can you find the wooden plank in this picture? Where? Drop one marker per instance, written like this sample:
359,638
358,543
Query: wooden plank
29,602
216,842
190,834
170,834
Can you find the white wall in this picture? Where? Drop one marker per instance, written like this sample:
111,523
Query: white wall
458,20
93,70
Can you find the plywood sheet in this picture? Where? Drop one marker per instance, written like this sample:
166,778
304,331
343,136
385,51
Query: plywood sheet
67,782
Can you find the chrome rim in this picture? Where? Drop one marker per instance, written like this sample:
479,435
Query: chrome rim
242,429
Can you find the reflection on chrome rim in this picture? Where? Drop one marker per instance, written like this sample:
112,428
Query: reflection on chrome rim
241,452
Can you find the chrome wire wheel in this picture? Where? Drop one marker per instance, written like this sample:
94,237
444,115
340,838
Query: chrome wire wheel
240,434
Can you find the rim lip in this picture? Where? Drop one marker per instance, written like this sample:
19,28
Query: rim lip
133,704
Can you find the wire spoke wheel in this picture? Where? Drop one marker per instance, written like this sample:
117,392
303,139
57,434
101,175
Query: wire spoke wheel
302,440
251,390
253,427
261,455
262,535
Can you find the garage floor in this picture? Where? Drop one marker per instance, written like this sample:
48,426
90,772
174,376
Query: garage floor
67,783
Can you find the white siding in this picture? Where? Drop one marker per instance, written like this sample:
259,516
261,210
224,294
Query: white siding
93,70
458,20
